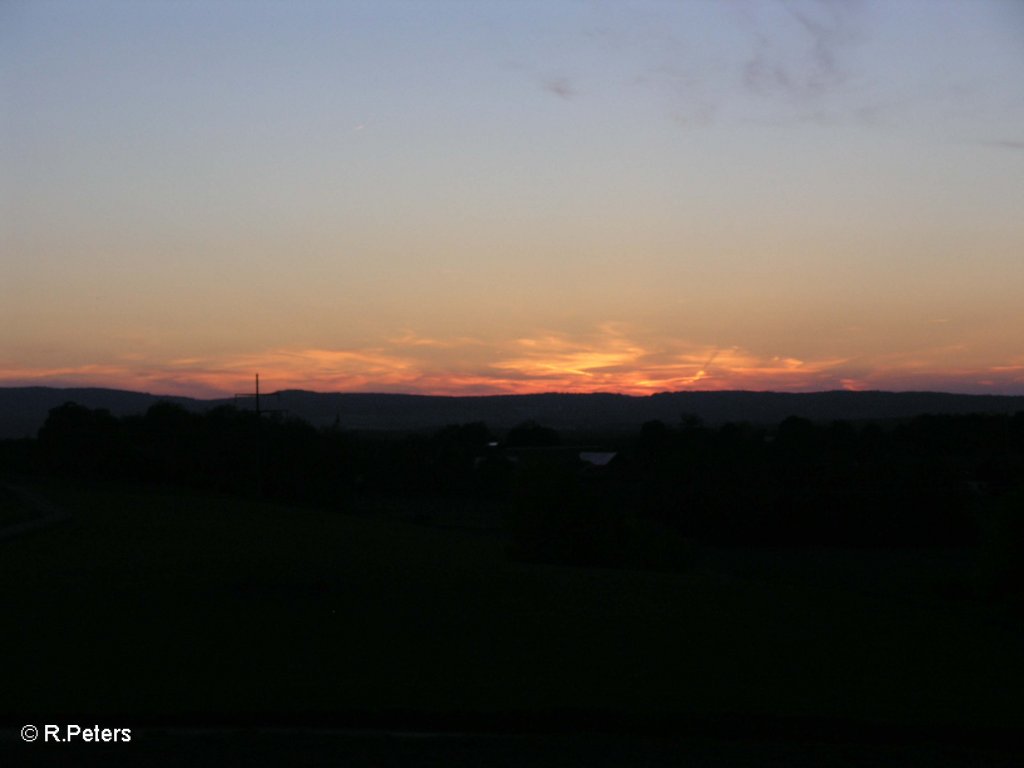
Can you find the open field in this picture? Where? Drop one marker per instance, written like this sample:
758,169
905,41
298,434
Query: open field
178,608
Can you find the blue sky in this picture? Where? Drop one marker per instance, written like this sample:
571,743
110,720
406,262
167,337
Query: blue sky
513,196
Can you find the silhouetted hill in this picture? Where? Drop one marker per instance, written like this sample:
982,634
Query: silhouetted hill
609,411
24,409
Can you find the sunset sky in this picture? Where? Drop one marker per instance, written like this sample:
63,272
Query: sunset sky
483,196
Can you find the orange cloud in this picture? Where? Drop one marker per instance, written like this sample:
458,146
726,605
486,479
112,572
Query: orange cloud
316,369
609,359
280,369
554,355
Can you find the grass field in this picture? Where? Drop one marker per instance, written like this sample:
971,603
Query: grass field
165,605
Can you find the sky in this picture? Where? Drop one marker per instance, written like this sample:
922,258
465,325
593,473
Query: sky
485,197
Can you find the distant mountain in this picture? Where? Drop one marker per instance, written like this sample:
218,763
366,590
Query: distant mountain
24,409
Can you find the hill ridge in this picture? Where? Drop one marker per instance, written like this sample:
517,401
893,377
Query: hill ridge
24,409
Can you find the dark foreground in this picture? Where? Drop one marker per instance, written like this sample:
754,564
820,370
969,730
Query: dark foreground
302,748
230,632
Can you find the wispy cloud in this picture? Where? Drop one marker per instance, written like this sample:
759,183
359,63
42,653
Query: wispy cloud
412,339
610,358
304,368
772,60
560,87
1004,144
139,376
799,50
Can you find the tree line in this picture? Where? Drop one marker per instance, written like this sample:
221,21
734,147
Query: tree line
922,481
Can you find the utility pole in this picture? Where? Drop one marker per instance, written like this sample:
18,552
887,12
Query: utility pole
259,411
255,394
259,431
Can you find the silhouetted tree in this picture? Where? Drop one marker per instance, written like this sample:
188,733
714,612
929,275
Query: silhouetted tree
76,440
533,435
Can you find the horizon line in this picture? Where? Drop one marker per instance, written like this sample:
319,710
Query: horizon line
524,394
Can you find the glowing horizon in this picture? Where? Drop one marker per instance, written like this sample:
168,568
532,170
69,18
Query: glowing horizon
607,361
